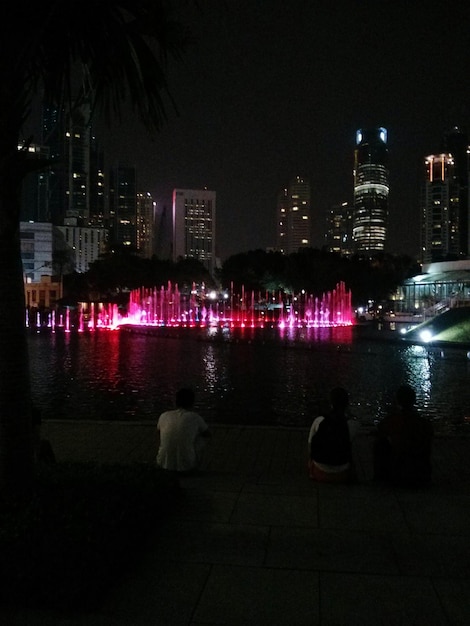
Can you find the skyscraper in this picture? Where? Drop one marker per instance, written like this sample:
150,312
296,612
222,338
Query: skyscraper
445,203
68,138
371,188
282,210
338,236
194,213
294,225
123,206
146,213
455,142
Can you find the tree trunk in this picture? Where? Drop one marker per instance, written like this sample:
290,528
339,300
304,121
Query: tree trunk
16,448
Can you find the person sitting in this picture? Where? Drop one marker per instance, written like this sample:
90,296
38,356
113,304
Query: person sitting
329,442
182,433
402,449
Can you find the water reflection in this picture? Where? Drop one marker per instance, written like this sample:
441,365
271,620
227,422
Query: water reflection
251,378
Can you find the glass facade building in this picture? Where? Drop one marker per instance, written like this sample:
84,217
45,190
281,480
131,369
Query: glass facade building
371,189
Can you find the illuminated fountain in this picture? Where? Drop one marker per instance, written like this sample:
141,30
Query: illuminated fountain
170,307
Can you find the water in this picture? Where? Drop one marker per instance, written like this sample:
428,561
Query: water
249,376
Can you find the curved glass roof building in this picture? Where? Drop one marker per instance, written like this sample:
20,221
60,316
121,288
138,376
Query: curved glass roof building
371,189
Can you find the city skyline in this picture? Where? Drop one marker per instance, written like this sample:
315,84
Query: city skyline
272,90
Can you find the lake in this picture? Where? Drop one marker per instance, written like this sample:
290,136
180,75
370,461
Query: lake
243,376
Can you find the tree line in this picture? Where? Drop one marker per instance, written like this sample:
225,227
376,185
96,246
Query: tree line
314,271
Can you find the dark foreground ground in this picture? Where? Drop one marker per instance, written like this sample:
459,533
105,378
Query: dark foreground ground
255,542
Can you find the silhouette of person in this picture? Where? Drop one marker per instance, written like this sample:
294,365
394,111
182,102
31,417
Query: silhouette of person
329,441
402,449
183,434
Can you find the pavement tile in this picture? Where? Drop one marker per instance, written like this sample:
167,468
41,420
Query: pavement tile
455,597
427,512
214,481
286,484
264,597
163,593
432,555
365,600
333,550
199,542
275,509
360,509
203,505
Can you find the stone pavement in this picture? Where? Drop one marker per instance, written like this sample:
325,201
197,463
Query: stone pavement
255,542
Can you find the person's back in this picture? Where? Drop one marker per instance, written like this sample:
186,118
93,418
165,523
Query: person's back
330,442
180,430
402,453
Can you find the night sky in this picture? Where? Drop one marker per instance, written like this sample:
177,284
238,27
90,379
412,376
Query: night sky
273,89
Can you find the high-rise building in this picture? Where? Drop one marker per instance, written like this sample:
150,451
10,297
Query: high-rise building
194,225
338,237
146,224
282,210
97,216
371,188
456,143
68,138
35,188
294,217
123,206
445,203
80,246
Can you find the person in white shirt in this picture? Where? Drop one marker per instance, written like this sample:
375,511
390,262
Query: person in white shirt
182,435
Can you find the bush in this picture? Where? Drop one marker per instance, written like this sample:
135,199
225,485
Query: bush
84,527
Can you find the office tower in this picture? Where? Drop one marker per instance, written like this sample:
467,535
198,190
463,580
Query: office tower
35,188
97,216
371,189
444,205
338,236
146,223
37,246
455,142
293,217
282,209
79,246
194,225
123,206
68,137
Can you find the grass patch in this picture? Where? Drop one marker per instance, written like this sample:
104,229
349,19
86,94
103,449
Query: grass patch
84,528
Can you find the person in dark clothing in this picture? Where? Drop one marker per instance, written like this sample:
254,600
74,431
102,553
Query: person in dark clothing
329,442
402,449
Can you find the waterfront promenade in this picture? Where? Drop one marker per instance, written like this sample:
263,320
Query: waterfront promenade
255,542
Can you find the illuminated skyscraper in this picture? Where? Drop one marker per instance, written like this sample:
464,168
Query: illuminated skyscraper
294,217
371,189
123,206
444,204
281,224
146,212
194,225
338,236
455,143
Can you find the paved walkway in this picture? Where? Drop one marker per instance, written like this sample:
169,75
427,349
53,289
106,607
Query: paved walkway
255,542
